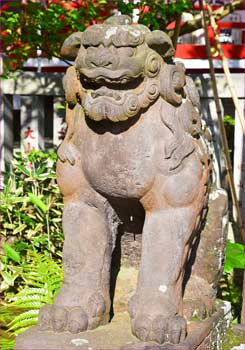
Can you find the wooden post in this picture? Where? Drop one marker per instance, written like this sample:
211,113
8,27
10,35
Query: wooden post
238,217
29,126
32,123
226,69
176,30
59,121
239,161
243,301
38,116
7,135
210,116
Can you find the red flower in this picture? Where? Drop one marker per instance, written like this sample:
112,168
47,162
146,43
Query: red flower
70,6
4,7
82,3
4,33
59,2
144,9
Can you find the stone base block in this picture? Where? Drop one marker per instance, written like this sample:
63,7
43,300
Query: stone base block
202,335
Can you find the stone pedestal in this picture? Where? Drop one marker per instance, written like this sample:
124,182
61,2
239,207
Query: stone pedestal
117,335
202,335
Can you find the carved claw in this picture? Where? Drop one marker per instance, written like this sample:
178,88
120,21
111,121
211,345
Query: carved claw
45,317
68,152
198,308
177,329
160,328
77,320
141,327
74,319
59,320
96,305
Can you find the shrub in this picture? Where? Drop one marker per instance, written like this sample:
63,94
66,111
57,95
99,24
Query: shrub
31,205
31,240
40,279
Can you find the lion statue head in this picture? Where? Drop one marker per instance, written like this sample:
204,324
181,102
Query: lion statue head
122,68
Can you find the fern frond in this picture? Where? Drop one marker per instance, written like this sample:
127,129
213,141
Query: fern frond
30,291
34,300
23,329
29,304
43,279
30,314
6,343
24,324
34,283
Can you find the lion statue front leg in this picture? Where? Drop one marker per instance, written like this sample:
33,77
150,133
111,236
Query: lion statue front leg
172,213
83,301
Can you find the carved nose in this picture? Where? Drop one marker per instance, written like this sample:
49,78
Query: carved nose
101,58
101,61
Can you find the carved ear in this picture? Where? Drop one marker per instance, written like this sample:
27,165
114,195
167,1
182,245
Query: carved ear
161,43
71,46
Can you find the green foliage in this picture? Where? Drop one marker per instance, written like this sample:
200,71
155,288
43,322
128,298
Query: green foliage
30,214
228,287
230,291
41,279
156,14
235,257
28,26
31,206
228,120
229,128
11,253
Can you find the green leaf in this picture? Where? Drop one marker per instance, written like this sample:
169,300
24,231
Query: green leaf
235,257
19,229
38,202
229,120
8,278
11,253
27,318
9,226
23,169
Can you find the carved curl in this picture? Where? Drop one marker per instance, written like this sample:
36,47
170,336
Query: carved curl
172,82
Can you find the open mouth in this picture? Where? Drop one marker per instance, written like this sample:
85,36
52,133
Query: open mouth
104,86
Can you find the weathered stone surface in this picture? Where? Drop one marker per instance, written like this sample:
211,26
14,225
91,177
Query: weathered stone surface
134,163
202,335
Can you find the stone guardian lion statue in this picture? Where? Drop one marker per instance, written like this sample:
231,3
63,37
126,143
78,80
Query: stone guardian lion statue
134,139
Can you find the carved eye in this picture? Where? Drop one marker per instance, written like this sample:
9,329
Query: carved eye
93,36
135,38
127,37
120,39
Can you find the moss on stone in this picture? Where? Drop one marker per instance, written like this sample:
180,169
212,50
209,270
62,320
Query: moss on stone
233,338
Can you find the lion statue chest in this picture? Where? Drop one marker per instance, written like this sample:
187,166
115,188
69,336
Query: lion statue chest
119,158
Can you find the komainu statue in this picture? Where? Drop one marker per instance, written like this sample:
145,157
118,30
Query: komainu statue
134,142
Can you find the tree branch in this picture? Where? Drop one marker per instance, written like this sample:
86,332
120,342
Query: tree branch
51,54
196,23
176,31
